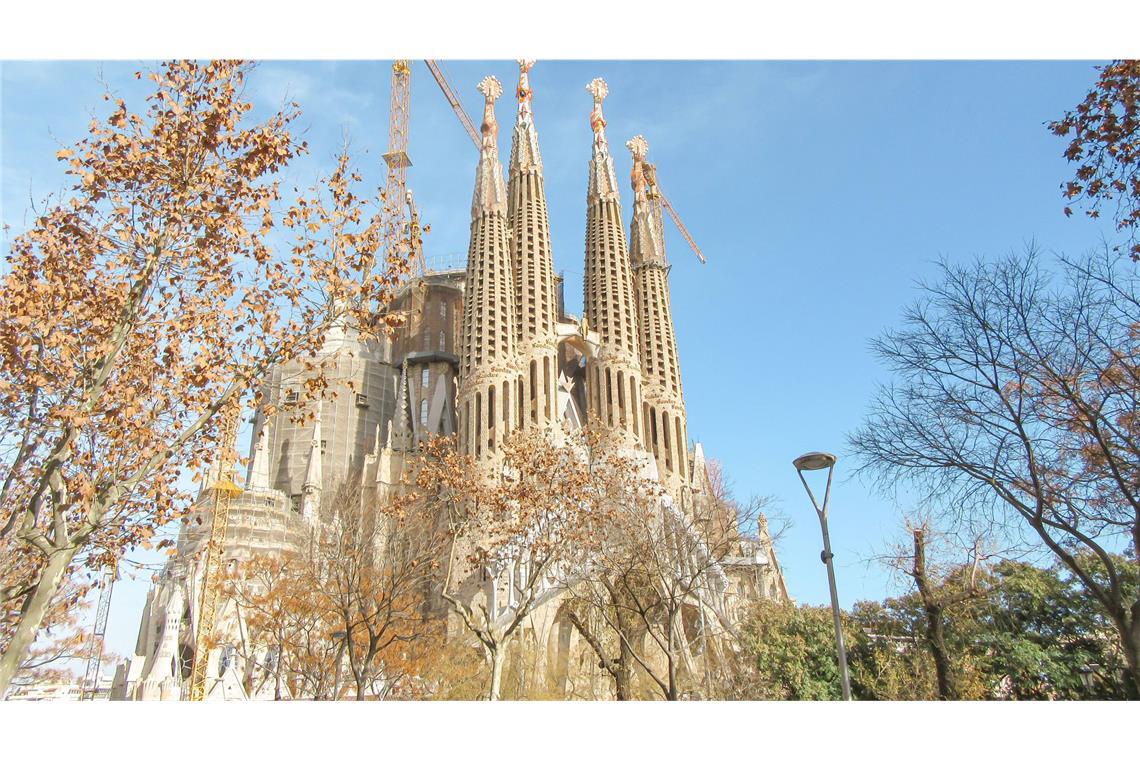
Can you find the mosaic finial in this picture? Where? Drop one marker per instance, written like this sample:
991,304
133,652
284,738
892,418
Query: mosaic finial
598,89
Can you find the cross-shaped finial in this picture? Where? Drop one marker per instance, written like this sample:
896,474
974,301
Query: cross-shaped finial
638,147
598,89
490,88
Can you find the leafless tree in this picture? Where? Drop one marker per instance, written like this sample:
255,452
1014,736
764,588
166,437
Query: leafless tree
1015,404
657,582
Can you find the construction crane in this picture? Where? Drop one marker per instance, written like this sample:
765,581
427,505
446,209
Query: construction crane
448,93
94,655
468,125
396,188
665,204
222,492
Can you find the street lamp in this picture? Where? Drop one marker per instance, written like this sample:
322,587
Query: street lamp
819,460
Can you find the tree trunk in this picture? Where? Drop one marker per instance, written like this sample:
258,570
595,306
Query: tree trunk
936,640
671,656
935,621
498,655
1130,639
360,681
336,672
623,673
277,674
32,615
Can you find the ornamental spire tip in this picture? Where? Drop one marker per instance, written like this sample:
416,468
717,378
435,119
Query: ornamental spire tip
524,93
599,90
491,90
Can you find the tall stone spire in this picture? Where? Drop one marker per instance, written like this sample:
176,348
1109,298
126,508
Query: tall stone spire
311,490
614,396
400,434
525,155
603,179
490,192
664,410
531,259
258,478
488,372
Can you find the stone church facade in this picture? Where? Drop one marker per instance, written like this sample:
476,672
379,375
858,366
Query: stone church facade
484,351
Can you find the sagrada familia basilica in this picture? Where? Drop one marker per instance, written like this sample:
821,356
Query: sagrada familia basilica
484,351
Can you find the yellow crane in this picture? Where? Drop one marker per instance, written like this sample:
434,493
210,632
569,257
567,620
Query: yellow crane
222,492
469,126
401,230
396,198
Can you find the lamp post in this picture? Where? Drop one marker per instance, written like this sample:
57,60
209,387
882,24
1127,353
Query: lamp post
818,460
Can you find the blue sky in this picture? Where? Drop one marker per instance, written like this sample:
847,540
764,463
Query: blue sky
819,191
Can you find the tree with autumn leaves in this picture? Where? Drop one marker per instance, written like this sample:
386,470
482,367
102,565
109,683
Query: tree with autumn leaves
518,531
1104,143
155,293
349,610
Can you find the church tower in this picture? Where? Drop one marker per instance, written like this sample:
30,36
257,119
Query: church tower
666,431
488,364
536,306
614,382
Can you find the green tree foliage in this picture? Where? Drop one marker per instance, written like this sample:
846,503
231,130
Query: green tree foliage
887,660
1038,629
790,652
1030,637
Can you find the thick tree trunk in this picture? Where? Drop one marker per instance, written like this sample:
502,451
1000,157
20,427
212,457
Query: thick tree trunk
32,615
623,673
498,655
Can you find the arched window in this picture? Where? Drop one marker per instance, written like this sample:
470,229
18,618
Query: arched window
424,412
442,341
425,377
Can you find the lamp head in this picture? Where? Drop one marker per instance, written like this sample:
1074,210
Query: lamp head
815,460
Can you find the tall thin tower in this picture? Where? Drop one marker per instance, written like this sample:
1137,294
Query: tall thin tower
664,405
531,260
614,383
488,381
